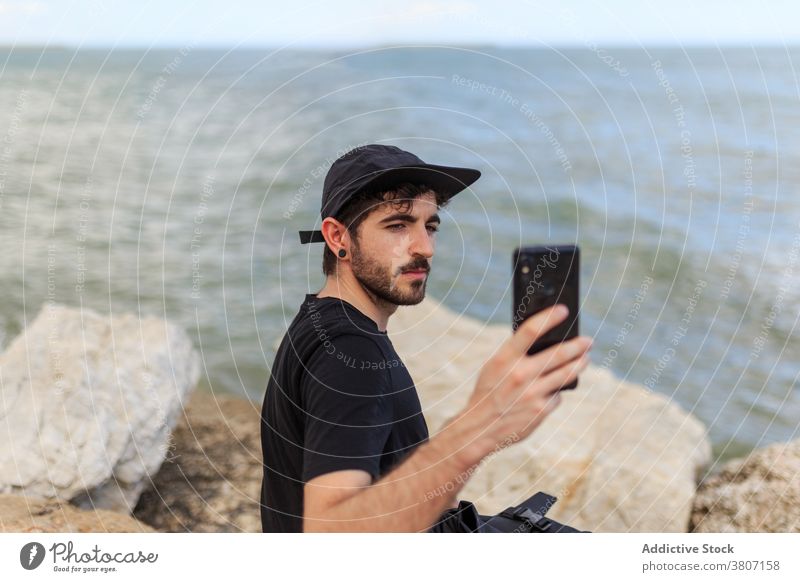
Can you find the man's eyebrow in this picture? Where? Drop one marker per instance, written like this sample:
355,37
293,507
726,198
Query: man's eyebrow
406,217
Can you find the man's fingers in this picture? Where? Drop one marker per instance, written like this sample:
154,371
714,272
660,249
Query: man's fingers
562,376
558,354
534,327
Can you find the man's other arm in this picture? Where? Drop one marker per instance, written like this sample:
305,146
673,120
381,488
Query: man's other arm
409,498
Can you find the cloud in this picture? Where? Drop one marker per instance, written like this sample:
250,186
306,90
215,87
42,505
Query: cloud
422,10
7,8
456,7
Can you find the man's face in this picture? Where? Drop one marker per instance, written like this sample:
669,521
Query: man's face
392,244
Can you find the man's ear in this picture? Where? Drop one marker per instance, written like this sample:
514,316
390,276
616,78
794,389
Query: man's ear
335,233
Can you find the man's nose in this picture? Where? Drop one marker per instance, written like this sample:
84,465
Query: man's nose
422,243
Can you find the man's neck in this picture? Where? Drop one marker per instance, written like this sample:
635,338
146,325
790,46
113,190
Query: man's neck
365,301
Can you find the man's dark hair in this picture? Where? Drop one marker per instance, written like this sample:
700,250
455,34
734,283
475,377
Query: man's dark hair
362,204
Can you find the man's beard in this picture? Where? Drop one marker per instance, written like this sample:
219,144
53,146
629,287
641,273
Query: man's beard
382,283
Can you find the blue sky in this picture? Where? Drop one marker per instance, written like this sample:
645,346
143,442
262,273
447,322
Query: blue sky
349,23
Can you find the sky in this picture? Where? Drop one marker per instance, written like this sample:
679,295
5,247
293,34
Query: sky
351,23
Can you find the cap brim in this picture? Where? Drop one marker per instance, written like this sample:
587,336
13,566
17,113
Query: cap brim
448,180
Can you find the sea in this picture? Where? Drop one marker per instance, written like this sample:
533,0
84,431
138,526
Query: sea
172,183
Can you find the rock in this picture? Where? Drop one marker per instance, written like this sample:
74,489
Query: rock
212,483
90,402
619,457
39,515
759,493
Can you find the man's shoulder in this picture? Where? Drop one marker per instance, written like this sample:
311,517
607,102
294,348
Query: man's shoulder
327,320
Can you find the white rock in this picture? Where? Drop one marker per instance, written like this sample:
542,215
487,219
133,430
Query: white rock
619,457
87,404
757,493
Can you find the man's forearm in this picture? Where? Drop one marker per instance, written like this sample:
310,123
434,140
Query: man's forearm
410,497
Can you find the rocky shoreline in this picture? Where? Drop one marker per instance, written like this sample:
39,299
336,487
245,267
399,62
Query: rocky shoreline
619,457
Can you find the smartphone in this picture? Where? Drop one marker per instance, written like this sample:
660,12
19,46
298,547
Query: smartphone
544,276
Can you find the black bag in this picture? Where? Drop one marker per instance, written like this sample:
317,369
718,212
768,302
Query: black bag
527,517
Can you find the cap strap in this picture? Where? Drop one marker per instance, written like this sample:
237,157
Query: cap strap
311,236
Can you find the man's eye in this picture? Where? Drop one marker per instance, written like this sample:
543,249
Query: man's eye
431,227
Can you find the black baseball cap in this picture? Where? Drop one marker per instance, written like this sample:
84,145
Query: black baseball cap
379,167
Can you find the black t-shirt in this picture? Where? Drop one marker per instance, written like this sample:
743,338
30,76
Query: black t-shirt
338,397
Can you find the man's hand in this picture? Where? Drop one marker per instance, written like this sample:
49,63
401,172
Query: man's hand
515,392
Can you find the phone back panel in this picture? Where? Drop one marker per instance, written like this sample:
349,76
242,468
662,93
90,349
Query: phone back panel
544,276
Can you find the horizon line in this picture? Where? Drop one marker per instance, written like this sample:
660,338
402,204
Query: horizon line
420,44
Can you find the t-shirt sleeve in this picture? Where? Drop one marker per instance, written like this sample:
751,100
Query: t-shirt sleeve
348,411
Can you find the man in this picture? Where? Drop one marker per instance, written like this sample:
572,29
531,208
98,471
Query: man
345,444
